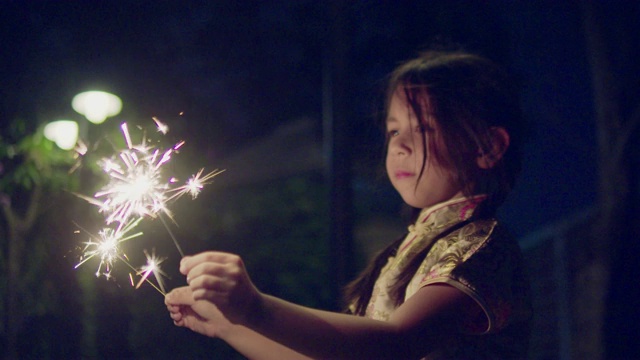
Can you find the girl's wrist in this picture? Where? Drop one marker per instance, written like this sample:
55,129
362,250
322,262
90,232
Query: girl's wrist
257,312
227,332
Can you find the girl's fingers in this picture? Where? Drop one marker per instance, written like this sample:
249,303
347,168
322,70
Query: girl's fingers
213,275
188,262
179,296
183,270
201,294
212,282
175,316
218,298
206,269
220,278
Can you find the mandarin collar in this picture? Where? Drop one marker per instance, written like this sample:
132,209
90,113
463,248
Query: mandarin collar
446,213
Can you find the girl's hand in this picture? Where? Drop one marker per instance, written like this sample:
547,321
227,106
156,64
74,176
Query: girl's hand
222,279
200,316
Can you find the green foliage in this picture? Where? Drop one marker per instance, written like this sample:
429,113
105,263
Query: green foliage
33,160
30,167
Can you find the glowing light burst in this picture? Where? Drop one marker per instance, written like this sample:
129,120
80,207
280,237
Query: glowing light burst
137,185
106,247
137,188
195,184
162,127
152,267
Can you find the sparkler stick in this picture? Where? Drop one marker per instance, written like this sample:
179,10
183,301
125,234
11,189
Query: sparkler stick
192,187
175,241
161,291
147,280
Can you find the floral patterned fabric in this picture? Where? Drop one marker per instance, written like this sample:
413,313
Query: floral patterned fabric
481,260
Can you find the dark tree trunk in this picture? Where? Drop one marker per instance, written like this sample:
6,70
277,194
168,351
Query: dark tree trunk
17,231
604,301
337,146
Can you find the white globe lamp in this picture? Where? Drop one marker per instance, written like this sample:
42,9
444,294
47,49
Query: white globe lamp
63,133
96,106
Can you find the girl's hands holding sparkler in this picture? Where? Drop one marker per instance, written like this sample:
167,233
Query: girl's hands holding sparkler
200,316
222,279
203,317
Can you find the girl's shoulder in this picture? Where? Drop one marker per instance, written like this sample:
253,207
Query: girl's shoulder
487,233
485,261
472,249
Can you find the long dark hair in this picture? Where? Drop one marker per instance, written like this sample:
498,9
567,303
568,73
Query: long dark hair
467,96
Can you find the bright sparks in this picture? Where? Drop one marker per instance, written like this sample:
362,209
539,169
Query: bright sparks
137,185
162,127
152,267
106,247
137,188
195,184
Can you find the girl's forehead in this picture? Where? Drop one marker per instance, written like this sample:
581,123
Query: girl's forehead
415,94
417,100
398,107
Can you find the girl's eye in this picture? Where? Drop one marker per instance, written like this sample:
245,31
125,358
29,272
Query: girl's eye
393,133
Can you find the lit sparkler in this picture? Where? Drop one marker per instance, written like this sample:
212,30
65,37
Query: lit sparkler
152,267
137,189
194,185
106,246
137,186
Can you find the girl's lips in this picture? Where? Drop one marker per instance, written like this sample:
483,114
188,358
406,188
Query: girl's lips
403,174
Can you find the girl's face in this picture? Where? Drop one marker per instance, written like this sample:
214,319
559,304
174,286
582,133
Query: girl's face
405,155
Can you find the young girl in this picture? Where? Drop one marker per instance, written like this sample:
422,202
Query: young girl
452,288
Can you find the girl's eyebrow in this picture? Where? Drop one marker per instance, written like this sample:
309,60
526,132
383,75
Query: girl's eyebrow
390,119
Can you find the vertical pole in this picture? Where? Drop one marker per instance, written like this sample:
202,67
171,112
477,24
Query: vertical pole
563,308
610,40
336,147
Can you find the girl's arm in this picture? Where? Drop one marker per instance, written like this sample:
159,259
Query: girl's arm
414,329
419,325
257,347
203,317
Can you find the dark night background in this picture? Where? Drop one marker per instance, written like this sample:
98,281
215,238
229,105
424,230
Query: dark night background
245,84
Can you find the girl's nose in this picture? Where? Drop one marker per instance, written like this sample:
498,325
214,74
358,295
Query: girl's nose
400,145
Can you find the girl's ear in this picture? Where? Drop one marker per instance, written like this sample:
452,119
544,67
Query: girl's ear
499,145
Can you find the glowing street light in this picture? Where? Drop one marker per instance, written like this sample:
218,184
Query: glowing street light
96,106
62,132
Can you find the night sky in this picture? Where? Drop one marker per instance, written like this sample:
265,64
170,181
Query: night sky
237,70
